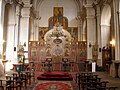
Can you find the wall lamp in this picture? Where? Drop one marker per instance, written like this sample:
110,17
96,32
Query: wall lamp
90,45
112,42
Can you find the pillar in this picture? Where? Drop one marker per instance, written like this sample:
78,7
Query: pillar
91,27
17,29
98,35
1,38
25,25
79,23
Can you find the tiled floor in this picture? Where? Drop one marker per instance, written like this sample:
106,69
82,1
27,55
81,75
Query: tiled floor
112,81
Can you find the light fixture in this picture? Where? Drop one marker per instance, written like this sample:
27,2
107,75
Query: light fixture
112,42
24,44
90,45
2,42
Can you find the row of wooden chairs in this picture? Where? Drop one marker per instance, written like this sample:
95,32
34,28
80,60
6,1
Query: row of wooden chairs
17,81
90,81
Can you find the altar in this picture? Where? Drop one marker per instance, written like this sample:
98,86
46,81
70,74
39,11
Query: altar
58,41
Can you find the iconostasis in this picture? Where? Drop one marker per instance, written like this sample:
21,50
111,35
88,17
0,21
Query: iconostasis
58,41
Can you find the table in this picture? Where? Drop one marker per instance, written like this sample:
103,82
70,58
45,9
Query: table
20,67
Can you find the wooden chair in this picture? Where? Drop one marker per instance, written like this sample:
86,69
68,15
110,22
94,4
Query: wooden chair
1,85
18,80
112,88
11,85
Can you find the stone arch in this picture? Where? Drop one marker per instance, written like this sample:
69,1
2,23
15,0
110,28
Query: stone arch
105,25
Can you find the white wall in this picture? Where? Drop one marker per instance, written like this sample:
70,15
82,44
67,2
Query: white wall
69,11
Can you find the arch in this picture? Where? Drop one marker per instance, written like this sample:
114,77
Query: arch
105,25
37,4
106,15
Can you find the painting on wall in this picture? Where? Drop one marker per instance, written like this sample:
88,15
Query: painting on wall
50,23
42,52
42,32
65,23
74,33
66,50
58,15
73,52
82,51
33,50
48,50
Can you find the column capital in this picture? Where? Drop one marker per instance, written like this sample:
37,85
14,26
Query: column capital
26,1
25,12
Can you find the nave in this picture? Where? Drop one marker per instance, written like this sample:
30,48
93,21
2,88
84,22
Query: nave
30,79
59,37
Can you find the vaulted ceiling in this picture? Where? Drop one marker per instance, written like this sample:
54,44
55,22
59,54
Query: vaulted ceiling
37,3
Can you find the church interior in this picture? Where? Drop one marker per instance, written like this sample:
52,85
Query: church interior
59,45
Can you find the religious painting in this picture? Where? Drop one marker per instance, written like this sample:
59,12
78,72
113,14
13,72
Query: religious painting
74,33
33,50
57,50
65,23
66,50
106,57
73,52
50,23
48,50
58,15
42,52
82,51
42,32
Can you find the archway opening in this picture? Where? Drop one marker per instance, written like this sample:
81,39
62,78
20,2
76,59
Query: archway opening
105,25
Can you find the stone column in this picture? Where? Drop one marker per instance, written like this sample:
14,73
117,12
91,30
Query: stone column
117,38
117,31
17,29
1,38
25,24
98,35
91,27
84,33
79,22
116,12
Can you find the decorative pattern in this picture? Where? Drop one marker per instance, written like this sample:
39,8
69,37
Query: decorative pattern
53,86
57,50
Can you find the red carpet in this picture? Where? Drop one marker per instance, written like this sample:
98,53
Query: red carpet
53,86
55,76
57,67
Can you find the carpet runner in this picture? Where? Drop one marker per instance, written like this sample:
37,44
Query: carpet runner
55,76
53,85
